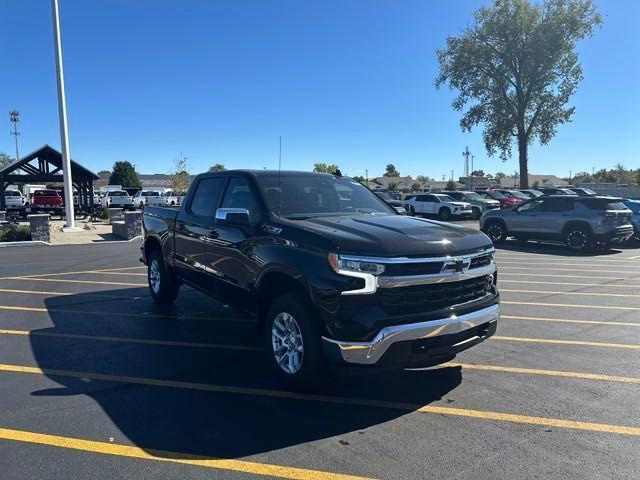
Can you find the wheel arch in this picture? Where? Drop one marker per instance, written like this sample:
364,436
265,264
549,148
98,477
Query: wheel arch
576,223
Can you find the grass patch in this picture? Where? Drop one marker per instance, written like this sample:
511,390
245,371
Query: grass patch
14,233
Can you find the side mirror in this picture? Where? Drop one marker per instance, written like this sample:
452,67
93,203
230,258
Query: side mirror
234,216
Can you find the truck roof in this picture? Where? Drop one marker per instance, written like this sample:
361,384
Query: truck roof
274,173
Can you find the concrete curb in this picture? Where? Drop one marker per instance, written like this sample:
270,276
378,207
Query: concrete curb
28,243
39,243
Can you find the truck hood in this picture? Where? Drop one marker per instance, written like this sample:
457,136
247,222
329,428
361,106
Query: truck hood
395,235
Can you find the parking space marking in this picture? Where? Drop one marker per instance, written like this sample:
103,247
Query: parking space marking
566,320
35,292
121,450
503,274
569,305
173,343
67,280
634,258
336,400
104,270
143,341
126,314
586,263
590,294
551,373
567,342
554,269
534,282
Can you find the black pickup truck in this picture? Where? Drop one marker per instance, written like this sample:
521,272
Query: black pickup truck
331,273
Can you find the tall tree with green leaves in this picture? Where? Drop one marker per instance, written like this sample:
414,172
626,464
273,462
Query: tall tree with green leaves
124,174
391,171
325,167
5,159
217,167
515,68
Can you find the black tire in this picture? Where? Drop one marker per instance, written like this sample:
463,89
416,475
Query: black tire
496,231
412,211
477,213
578,239
163,285
307,370
444,214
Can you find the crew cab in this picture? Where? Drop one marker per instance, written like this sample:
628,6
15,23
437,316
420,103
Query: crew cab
13,200
439,204
331,274
46,200
141,198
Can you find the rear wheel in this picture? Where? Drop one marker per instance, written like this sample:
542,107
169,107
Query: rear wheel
412,211
477,213
162,284
444,213
293,339
578,239
496,231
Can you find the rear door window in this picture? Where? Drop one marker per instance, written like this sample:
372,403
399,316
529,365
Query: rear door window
556,205
603,204
207,196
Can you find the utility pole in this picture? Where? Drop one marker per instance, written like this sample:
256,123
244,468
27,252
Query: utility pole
472,170
452,175
14,118
366,176
62,112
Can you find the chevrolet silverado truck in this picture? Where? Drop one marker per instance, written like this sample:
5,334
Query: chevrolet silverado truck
331,274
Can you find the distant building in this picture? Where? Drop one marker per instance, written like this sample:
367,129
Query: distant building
534,181
438,186
477,182
401,184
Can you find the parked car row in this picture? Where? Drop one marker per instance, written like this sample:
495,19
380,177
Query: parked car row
580,222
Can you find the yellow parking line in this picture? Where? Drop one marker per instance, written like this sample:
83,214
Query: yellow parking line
583,264
534,282
591,294
567,342
507,274
60,280
125,314
571,305
551,373
565,320
336,400
551,268
130,451
143,341
104,270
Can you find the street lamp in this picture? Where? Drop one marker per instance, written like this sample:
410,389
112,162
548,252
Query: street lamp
62,111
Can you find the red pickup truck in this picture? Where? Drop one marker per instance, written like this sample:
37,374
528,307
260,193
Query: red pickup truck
46,200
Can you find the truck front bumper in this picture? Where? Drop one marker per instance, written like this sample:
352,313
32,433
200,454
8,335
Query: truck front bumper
418,344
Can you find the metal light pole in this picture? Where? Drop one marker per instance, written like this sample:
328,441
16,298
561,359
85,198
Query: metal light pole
62,110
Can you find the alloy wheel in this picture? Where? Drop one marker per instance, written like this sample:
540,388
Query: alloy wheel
286,339
494,232
577,239
154,276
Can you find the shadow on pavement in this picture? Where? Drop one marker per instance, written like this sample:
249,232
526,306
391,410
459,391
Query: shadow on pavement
200,422
557,249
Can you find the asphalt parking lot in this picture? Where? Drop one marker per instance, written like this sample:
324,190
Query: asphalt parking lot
97,382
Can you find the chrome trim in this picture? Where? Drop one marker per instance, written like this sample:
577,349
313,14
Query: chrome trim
221,213
373,282
406,280
368,353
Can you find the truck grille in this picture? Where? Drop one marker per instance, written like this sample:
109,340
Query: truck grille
424,298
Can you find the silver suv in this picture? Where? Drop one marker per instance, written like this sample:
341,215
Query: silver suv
579,222
479,205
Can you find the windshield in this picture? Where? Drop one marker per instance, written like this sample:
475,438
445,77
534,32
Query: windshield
150,194
304,196
11,193
444,198
497,194
516,194
118,194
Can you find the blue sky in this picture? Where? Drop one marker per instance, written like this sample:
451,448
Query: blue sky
347,82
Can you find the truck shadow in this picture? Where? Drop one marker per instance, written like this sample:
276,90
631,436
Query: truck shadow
557,249
241,412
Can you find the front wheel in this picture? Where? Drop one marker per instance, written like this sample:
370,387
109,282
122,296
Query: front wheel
162,283
496,231
578,239
444,214
293,339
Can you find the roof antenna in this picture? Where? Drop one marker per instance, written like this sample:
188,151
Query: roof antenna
279,181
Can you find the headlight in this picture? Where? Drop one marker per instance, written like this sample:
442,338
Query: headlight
400,210
354,264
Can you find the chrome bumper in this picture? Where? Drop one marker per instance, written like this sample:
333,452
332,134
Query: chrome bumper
368,353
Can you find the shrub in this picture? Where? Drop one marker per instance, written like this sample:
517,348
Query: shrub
14,233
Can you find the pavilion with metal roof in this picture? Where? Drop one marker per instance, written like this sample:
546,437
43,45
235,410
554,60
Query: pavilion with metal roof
44,165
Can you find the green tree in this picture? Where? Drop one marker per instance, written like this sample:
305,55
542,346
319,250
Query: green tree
5,159
391,171
392,186
124,174
477,173
325,167
499,176
180,178
423,178
517,66
104,173
217,167
416,186
451,185
359,178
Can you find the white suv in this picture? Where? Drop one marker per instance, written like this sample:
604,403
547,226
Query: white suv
439,204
